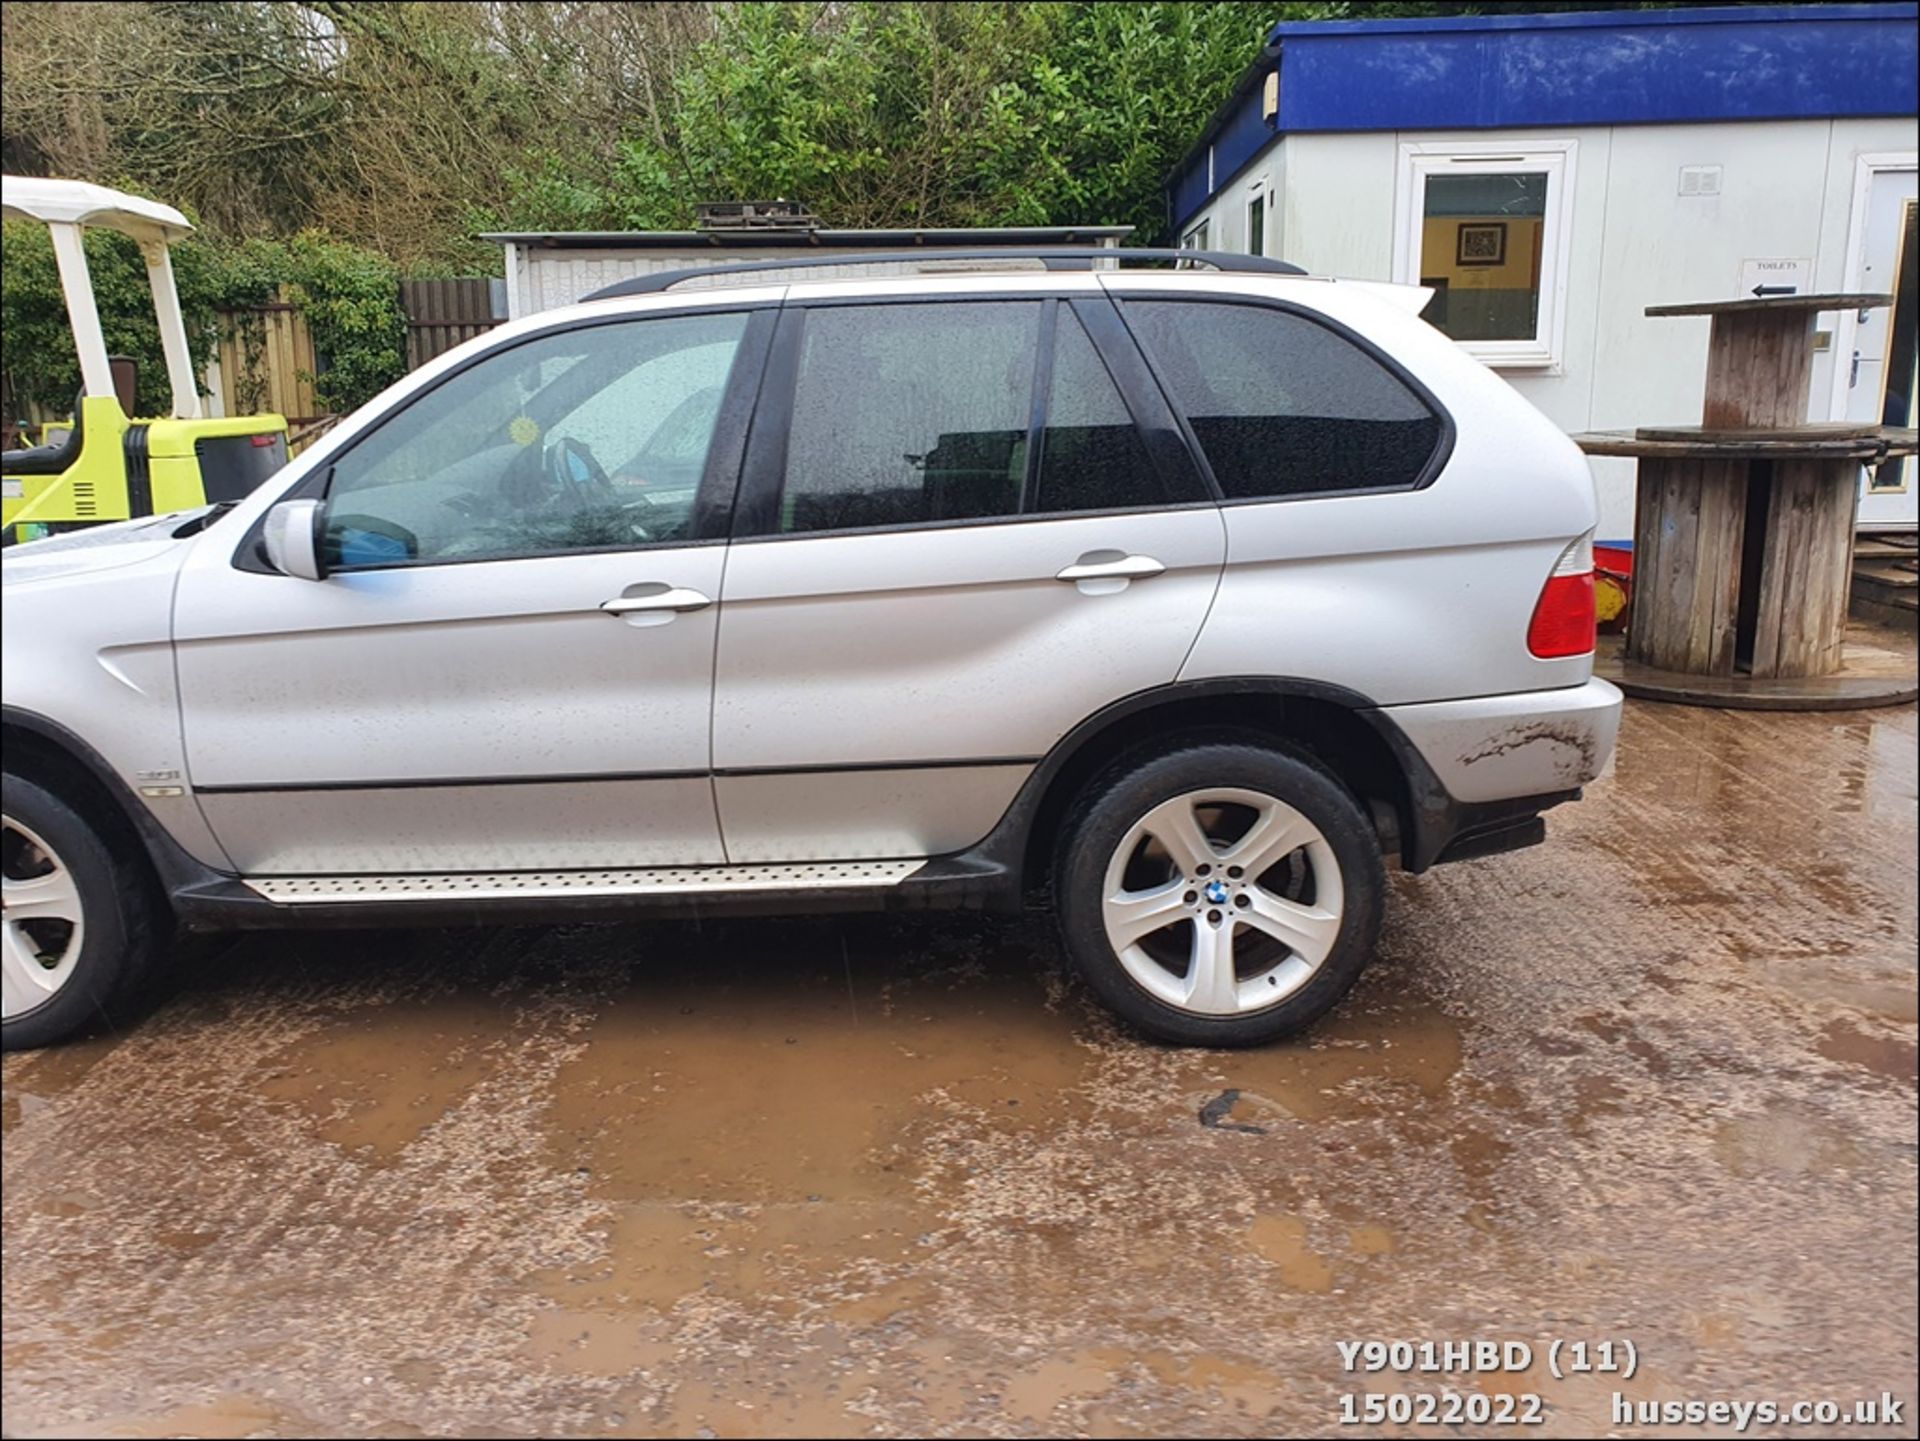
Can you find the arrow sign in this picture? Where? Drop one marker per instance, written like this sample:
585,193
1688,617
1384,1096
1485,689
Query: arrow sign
1761,278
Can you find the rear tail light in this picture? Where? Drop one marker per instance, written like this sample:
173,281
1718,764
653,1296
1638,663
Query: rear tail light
1563,619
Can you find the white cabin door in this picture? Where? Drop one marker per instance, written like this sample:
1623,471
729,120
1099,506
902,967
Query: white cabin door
1881,380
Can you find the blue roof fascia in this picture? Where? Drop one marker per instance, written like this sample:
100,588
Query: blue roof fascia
1602,68
1592,19
1190,191
1610,67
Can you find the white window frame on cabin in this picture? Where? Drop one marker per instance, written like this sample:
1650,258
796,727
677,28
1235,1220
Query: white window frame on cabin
1196,238
1254,197
1546,349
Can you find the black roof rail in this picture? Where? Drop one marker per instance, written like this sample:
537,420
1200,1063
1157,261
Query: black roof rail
1053,257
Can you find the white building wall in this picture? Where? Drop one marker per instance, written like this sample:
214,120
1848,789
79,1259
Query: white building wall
545,278
552,277
1785,192
1339,204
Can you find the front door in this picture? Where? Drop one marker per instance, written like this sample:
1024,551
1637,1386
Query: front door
965,526
509,665
1881,380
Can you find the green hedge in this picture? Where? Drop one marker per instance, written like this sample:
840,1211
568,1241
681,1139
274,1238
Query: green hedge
351,298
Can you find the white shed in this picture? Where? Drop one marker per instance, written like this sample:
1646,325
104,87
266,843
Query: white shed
1551,176
546,269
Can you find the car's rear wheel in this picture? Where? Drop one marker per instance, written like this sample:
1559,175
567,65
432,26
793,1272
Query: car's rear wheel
79,933
1220,895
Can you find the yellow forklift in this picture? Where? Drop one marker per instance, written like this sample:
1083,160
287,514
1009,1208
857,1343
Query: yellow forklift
106,465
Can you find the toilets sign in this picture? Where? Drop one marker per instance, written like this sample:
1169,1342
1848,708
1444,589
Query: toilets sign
1762,278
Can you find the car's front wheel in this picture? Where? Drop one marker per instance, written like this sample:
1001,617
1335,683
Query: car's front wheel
79,924
1220,895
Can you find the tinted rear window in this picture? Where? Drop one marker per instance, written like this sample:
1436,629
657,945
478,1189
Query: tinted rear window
1282,405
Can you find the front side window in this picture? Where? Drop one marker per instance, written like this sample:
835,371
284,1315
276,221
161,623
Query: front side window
584,439
1485,229
1282,405
910,414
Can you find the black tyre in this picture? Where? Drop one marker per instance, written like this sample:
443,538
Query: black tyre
1223,894
82,932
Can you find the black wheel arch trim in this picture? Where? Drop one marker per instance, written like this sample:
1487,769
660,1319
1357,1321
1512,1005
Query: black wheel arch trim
176,868
1433,816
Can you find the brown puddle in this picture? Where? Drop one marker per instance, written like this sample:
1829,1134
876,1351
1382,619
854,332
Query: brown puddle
1283,1241
377,1078
37,1079
1832,972
227,1416
1034,1398
1892,1056
1371,1240
776,1140
753,1136
1784,1142
1029,1398
753,1408
787,1088
597,1344
1371,1049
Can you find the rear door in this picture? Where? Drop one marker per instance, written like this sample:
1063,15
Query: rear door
1350,562
965,525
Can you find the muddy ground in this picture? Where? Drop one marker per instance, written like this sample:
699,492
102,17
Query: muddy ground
1653,1081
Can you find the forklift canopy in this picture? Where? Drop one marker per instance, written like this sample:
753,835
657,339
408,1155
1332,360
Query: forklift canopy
77,203
66,207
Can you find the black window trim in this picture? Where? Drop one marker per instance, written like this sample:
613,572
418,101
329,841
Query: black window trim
1037,402
1154,417
714,499
756,514
1436,462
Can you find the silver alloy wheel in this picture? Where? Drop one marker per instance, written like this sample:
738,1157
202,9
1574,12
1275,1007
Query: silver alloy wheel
1222,901
43,923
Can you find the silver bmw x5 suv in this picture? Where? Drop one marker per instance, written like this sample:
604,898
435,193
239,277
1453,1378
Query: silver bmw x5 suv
1182,598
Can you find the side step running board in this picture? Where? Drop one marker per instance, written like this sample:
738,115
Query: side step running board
656,881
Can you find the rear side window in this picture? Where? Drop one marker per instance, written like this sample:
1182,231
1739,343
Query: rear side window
1091,456
910,414
1282,405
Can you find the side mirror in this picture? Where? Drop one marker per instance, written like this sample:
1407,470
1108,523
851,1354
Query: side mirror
292,538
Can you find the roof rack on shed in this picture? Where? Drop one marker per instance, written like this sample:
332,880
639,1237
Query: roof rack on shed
1052,257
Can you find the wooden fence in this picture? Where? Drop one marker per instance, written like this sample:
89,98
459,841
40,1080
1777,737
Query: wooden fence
267,357
441,314
267,362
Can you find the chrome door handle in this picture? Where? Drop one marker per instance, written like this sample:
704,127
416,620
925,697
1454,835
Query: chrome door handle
677,599
1127,567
